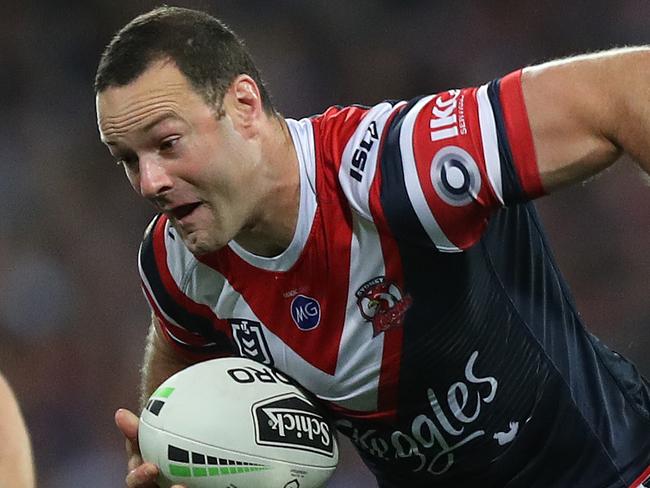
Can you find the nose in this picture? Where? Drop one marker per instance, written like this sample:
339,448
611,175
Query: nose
154,179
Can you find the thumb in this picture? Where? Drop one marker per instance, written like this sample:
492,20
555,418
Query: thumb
127,422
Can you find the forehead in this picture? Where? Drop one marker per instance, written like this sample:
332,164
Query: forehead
161,88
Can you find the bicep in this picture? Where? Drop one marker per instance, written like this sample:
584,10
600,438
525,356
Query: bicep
570,115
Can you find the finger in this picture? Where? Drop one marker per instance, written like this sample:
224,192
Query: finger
133,450
135,460
127,422
144,476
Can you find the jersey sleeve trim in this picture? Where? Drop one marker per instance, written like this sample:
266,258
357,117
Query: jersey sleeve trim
519,135
490,142
188,325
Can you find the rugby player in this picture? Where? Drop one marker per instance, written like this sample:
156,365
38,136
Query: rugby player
388,258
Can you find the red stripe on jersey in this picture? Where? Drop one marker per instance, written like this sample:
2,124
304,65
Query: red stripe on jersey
320,273
520,135
639,482
463,223
160,253
335,127
387,401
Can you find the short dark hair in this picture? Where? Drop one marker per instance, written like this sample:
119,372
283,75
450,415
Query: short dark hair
205,50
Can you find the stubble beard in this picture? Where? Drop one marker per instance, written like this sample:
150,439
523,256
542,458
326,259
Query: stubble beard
203,239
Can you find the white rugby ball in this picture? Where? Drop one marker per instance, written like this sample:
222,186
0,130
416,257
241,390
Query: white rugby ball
233,422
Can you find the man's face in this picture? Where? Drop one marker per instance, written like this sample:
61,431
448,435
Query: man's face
193,167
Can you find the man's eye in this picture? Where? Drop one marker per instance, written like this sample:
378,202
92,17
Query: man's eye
168,143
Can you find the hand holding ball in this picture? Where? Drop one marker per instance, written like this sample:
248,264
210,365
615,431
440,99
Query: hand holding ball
234,422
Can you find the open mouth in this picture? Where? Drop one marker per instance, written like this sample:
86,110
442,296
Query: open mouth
183,211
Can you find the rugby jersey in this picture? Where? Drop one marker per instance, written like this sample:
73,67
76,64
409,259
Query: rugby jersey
418,300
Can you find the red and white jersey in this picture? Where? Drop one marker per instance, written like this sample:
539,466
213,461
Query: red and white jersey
394,303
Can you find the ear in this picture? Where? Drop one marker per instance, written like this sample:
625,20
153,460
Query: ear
243,103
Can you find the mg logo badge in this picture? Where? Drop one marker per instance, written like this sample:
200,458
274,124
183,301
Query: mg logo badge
250,340
305,312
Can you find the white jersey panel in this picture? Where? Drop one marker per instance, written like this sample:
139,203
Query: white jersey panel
360,353
361,156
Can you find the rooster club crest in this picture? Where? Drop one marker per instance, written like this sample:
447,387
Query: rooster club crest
381,302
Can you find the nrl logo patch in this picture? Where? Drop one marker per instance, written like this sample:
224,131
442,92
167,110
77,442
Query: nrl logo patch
250,340
293,422
381,303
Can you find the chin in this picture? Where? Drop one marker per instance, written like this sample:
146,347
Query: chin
200,245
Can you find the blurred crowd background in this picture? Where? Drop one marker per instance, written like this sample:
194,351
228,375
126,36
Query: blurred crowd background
72,316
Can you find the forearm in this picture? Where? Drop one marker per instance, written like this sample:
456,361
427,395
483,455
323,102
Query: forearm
160,362
16,463
631,129
585,111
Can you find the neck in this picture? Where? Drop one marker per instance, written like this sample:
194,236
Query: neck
274,226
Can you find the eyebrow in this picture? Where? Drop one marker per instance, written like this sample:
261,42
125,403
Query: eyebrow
151,124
